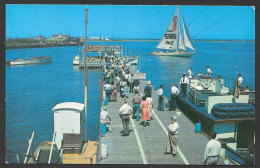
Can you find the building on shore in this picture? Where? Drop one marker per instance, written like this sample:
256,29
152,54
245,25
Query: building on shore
40,38
73,40
58,39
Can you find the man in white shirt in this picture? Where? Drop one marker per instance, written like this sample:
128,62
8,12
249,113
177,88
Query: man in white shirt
184,82
131,80
172,137
211,154
189,72
124,113
160,99
199,75
117,83
199,87
209,72
108,91
239,80
174,92
105,119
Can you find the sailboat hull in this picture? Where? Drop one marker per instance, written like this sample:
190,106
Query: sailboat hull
174,54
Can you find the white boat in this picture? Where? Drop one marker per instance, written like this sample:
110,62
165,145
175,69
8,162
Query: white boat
173,43
32,60
76,60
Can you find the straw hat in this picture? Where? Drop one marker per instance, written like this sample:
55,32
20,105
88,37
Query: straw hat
174,117
149,83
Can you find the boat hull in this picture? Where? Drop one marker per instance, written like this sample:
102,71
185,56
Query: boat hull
174,54
37,60
76,62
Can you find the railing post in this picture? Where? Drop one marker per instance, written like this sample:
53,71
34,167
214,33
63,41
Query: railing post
18,156
52,142
29,148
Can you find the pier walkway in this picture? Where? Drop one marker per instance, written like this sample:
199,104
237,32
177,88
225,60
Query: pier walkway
146,145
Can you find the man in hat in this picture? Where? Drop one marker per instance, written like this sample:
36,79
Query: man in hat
172,137
184,84
105,119
148,89
124,113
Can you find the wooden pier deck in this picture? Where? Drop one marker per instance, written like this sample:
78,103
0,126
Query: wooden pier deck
146,145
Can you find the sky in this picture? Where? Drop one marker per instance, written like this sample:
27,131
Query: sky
129,21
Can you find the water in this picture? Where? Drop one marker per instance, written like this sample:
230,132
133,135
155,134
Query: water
33,90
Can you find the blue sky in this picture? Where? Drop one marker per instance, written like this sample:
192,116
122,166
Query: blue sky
124,21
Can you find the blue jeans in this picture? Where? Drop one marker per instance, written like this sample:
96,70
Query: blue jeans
136,109
117,87
108,95
160,103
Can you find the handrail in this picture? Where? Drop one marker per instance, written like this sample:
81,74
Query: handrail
52,142
19,155
29,147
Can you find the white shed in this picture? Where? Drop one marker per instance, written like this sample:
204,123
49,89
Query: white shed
67,119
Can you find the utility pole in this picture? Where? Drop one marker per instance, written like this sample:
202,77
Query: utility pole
85,72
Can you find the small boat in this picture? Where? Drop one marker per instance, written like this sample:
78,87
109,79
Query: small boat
32,60
76,60
133,60
173,43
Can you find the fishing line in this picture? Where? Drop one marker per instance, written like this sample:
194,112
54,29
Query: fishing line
196,17
211,24
216,21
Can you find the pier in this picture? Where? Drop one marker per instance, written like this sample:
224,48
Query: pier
146,145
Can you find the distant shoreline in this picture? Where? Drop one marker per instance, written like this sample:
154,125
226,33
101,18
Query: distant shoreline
116,40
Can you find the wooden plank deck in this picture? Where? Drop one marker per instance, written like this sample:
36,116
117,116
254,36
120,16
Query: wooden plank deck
146,145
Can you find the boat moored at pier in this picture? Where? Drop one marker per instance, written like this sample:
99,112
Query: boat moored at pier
76,60
216,109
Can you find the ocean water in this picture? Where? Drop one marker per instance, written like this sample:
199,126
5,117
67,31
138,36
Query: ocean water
33,90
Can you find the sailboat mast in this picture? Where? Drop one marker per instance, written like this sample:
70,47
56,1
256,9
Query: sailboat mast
85,73
178,27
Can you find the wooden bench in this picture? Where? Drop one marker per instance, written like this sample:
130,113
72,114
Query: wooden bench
71,143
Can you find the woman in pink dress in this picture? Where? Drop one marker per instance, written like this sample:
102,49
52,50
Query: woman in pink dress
113,88
145,110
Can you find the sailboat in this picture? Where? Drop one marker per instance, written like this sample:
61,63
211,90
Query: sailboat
173,43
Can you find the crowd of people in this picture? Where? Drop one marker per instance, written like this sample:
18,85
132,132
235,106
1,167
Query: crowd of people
118,82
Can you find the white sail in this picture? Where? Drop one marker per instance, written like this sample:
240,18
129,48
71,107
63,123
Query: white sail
181,42
187,39
169,40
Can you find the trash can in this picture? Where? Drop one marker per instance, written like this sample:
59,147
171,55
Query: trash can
103,129
105,102
197,127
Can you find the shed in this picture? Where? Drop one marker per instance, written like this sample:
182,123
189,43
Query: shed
67,120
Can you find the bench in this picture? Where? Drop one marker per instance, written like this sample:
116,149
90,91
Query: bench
71,143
